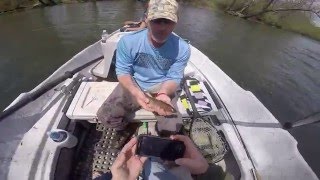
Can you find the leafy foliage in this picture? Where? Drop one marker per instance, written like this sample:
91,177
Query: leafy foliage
292,15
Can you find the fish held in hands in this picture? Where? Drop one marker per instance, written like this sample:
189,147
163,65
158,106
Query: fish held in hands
157,103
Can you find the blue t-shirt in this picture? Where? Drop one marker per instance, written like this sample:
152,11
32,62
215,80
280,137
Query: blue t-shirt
148,65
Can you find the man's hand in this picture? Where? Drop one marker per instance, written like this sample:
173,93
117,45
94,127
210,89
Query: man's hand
164,98
142,100
127,82
192,159
127,165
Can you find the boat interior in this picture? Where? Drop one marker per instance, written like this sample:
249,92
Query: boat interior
249,141
98,146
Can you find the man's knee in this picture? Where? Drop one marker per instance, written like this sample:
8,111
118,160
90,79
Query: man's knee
116,108
111,114
103,115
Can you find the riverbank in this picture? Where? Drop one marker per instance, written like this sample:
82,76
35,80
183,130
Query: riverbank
10,6
300,22
296,21
14,5
283,16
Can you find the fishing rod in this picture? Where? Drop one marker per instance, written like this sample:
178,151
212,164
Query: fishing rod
311,119
29,97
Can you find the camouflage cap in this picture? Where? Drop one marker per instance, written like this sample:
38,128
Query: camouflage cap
167,9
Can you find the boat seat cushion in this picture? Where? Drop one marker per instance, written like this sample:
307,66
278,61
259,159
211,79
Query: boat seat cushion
111,75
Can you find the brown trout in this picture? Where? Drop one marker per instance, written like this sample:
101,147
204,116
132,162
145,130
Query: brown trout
157,103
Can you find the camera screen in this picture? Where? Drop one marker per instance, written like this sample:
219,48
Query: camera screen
166,149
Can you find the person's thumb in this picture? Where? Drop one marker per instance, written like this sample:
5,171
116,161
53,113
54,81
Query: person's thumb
120,160
146,99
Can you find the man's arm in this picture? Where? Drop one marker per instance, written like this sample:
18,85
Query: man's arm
168,87
175,73
173,77
124,73
127,82
167,90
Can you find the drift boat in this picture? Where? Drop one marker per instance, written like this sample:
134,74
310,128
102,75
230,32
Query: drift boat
256,146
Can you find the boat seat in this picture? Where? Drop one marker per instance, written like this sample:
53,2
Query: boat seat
104,68
91,95
111,74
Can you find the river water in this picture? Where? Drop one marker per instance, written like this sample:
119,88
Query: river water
281,68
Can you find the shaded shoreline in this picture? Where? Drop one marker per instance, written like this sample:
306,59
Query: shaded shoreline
303,25
9,6
299,20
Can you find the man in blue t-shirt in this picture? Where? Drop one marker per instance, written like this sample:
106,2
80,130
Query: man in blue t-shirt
151,60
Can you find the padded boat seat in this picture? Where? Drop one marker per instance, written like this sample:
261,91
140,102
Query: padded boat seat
108,50
91,95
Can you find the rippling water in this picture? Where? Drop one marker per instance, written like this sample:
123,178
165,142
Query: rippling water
282,69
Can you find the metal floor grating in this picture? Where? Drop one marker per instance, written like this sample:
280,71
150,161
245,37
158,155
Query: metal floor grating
102,145
109,145
100,149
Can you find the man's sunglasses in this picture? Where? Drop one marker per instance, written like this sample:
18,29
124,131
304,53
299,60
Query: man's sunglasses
161,20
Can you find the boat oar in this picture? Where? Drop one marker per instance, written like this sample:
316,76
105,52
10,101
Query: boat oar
311,119
46,87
